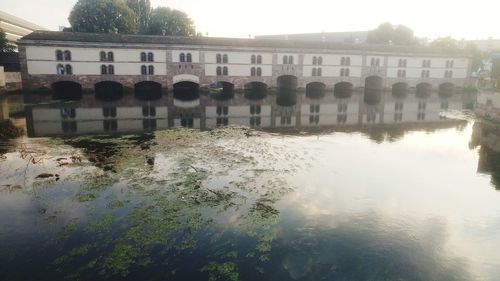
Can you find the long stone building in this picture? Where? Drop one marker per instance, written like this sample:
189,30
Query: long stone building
85,61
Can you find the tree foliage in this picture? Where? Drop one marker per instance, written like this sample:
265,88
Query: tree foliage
166,21
387,33
446,43
142,10
102,16
5,46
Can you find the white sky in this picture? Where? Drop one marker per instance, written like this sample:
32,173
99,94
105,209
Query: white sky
235,18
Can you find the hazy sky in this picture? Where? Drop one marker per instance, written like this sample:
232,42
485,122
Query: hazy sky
234,18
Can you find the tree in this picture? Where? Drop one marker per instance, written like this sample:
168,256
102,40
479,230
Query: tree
166,21
142,10
446,43
5,46
102,16
386,33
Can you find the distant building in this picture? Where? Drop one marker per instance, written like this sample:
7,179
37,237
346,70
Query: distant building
484,45
15,27
337,37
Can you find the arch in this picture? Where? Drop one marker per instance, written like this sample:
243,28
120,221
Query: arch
148,90
343,90
287,90
66,90
108,90
373,90
447,90
222,90
315,90
400,89
255,90
186,90
423,90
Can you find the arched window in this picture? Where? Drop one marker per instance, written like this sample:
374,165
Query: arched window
423,74
347,72
182,57
219,58
315,60
144,70
252,71
69,69
60,69
111,56
342,72
372,62
319,72
342,61
143,56
320,60
377,62
259,59
189,57
67,55
290,59
111,69
348,61
59,55
102,56
104,69
259,71
452,63
151,57
285,60
253,59
151,70
314,71
225,71
225,58
219,71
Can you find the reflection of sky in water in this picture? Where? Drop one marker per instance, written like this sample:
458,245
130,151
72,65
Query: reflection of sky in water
429,200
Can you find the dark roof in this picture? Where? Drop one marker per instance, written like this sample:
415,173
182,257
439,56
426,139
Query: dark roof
230,42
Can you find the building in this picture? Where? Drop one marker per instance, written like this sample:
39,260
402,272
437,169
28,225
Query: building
15,27
337,37
90,61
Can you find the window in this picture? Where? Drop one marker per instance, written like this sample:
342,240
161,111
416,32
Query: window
345,72
398,106
111,56
219,71
219,58
426,63
225,71
189,57
448,74
314,108
225,58
314,72
104,69
67,112
259,59
255,121
401,73
222,110
342,107
69,69
59,55
252,71
402,63
290,59
151,57
151,70
345,61
255,109
110,125
320,60
102,56
67,55
375,62
148,111
426,73
109,112
253,59
259,71
449,63
315,60
60,69
182,57
319,73
285,59
143,56
111,69
422,105
144,70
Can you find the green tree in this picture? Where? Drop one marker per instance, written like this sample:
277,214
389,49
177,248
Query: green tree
446,43
142,10
5,46
386,33
166,21
102,16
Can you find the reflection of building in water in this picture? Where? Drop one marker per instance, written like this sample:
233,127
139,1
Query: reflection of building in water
131,115
487,136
